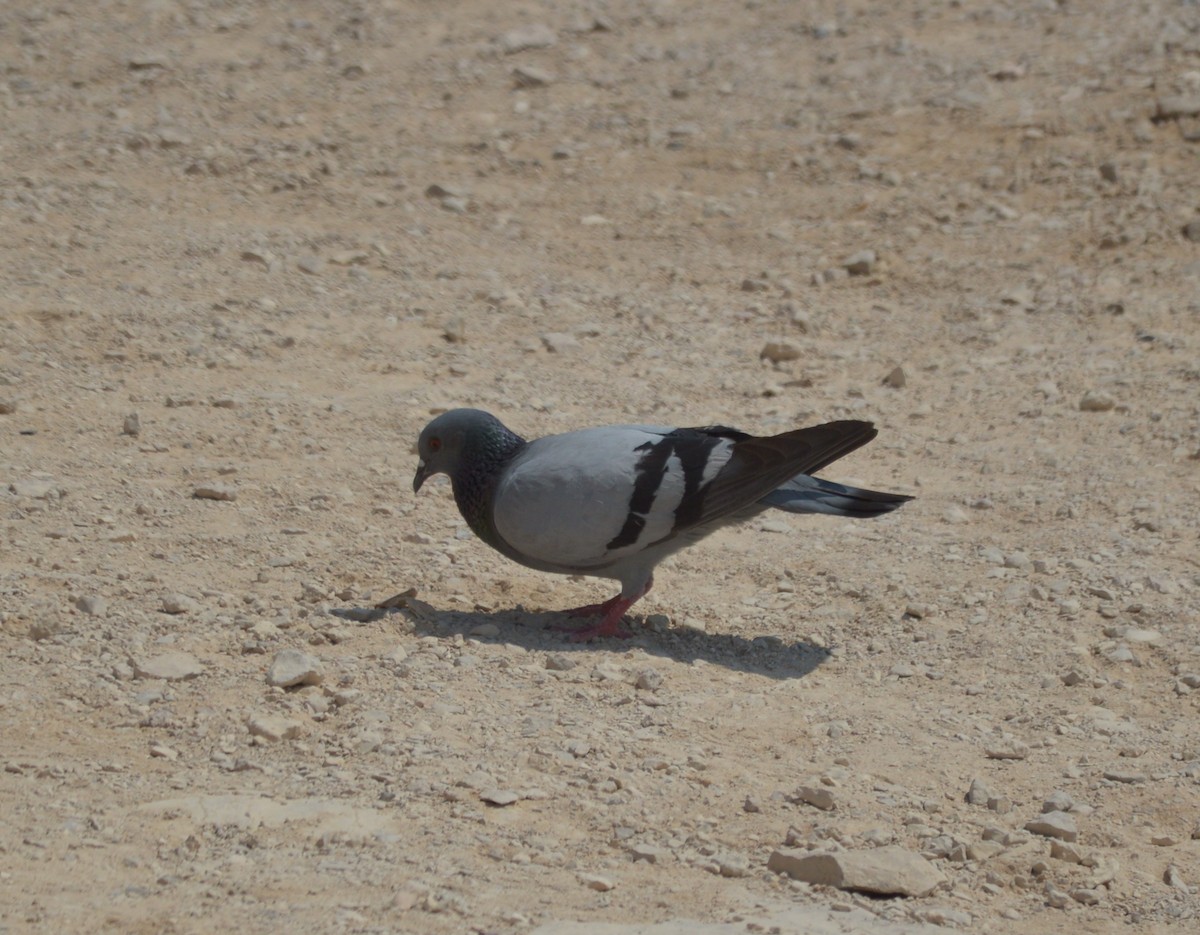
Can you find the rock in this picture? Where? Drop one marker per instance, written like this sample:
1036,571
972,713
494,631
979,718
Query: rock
778,352
178,604
559,662
7,407
499,797
1096,401
1056,898
984,850
1174,106
955,516
978,793
92,604
273,727
215,492
1089,897
887,871
530,36
455,331
896,379
560,342
648,679
1125,776
1191,230
1057,825
732,865
946,916
1069,853
132,425
526,76
594,881
36,488
311,264
171,667
292,667
860,264
1058,801
816,796
650,853
1007,750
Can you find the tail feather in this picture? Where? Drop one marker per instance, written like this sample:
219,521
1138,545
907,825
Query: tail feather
805,494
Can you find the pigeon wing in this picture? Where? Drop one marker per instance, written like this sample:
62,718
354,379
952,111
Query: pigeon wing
587,499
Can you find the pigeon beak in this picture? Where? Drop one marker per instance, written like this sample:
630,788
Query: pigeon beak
420,476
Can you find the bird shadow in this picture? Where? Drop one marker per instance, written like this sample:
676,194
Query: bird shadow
769,656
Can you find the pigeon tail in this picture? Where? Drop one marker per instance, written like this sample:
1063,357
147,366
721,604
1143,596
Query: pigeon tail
804,494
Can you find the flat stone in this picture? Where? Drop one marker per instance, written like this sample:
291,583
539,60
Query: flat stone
1069,853
559,662
499,797
292,667
530,36
1174,106
1008,750
984,850
215,492
1126,776
527,76
273,727
560,342
888,871
1096,401
92,604
594,881
816,796
732,865
171,667
778,352
178,604
35,488
650,853
860,264
1058,825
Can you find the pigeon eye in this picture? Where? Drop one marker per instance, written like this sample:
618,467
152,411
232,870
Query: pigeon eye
435,445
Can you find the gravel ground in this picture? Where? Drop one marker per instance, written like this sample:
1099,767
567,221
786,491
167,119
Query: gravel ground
247,249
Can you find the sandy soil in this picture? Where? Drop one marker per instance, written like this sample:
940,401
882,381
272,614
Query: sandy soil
283,234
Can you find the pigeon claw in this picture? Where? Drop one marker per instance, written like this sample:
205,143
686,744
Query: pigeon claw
605,628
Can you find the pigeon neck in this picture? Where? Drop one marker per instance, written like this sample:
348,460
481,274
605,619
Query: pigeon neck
478,470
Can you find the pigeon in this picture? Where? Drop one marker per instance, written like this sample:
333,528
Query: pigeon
614,501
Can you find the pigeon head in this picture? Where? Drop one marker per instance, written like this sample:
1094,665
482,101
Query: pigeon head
462,443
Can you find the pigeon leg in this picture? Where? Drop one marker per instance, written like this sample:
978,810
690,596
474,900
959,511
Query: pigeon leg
610,623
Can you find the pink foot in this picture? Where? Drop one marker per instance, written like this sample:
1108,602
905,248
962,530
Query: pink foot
610,612
592,610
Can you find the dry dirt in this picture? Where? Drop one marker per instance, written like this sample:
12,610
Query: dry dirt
285,233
